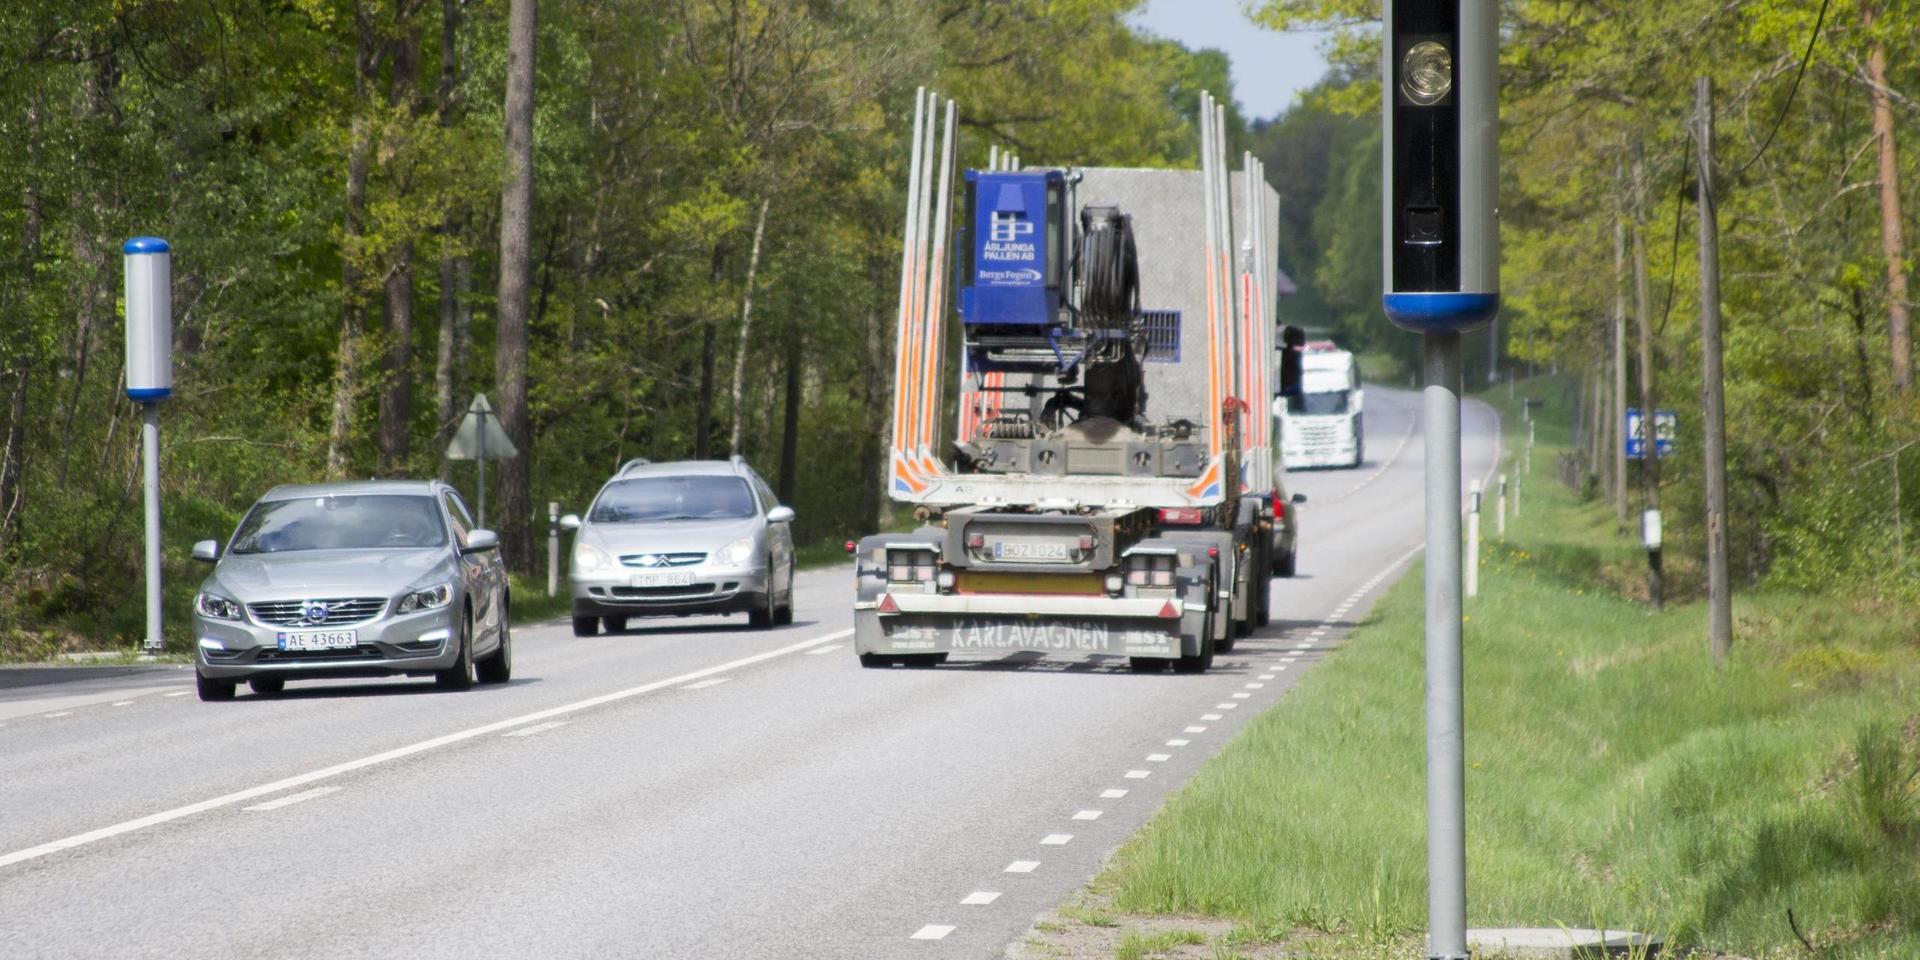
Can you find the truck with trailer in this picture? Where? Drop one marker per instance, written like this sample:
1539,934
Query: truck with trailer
1109,484
1320,423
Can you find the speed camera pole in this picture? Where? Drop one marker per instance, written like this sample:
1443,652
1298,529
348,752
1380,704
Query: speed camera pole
149,305
1442,263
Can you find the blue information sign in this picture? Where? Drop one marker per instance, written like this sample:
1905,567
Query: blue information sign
1665,424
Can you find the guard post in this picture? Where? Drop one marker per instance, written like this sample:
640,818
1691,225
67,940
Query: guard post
148,264
1473,540
553,548
1440,157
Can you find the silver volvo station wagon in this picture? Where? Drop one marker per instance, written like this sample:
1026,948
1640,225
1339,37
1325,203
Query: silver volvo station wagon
361,579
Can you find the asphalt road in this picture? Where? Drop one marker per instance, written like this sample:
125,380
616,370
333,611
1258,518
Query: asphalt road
687,789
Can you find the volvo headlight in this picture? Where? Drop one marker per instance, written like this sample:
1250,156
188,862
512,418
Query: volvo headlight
586,556
735,554
216,607
1426,73
426,599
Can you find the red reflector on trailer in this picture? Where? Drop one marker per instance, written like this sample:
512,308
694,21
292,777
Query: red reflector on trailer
887,605
1170,610
851,546
1213,553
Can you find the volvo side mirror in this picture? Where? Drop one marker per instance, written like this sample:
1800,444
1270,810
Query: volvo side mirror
207,551
480,541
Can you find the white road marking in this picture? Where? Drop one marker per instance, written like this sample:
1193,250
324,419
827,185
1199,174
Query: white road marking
177,693
1209,716
1256,686
1266,676
1022,866
1226,706
338,769
1195,729
1056,839
1288,660
931,931
821,650
702,685
1138,774
54,716
1104,795
1304,645
1280,667
1178,743
1241,695
536,728
1159,757
121,703
980,898
293,798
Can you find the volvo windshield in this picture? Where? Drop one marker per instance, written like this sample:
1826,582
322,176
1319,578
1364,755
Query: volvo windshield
365,522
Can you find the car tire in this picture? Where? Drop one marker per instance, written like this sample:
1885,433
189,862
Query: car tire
267,684
1147,664
497,667
460,675
1286,565
876,661
586,626
211,690
783,614
764,616
614,624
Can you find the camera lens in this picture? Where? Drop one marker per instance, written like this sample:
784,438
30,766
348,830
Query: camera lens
1426,73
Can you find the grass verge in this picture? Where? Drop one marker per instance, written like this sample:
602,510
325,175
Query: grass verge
1616,777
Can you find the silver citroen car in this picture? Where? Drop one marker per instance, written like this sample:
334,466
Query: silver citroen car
698,536
358,579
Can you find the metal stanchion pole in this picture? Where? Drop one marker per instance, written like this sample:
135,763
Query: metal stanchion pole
553,548
1446,719
150,453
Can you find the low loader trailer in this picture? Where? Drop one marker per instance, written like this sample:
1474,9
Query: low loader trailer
1098,473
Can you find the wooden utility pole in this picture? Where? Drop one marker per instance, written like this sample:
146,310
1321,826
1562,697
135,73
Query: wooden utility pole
1892,240
1713,403
1616,431
1643,318
516,273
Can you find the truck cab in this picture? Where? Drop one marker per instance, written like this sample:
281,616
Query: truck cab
1321,424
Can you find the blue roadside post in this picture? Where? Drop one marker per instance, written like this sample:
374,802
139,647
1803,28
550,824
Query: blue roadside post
148,263
1440,157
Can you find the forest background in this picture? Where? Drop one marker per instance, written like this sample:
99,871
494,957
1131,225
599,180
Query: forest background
331,173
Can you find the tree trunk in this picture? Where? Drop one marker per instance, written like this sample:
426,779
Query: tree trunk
790,423
452,343
396,396
13,457
510,348
746,327
1892,241
879,404
346,371
703,410
1616,430
1643,310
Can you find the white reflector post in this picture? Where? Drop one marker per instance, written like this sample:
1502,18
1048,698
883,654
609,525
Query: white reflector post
149,296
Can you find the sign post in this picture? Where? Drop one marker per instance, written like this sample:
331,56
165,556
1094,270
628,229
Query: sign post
1440,158
480,438
148,263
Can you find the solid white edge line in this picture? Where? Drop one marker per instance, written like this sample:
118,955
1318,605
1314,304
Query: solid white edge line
292,798
325,773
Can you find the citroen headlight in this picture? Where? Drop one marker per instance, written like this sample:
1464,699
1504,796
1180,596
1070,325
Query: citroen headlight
216,607
586,556
427,599
1426,73
735,554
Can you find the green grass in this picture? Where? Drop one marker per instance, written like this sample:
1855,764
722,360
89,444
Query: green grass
1615,775
1140,946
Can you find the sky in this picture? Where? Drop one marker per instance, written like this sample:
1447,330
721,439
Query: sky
1268,67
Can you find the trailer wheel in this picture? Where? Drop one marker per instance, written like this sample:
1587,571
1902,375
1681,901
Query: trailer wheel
875,661
1203,661
1147,664
1264,615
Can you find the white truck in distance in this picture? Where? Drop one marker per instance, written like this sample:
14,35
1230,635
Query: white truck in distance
1321,425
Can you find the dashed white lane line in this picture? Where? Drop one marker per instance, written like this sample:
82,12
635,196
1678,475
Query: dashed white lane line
1256,686
1280,666
1138,774
1056,839
1226,706
1289,659
1178,743
1209,716
459,736
176,693
702,685
1241,695
1265,676
292,798
536,728
1022,866
932,931
1091,814
1113,794
56,716
980,898
121,703
1159,757
1304,645
1195,729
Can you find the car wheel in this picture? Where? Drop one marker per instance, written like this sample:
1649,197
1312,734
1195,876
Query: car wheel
614,624
586,626
212,689
1285,567
460,675
267,684
762,617
783,615
1146,664
497,667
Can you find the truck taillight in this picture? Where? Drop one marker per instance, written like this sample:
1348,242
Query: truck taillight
1183,516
